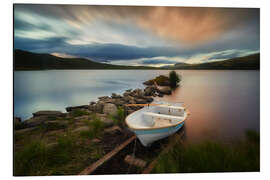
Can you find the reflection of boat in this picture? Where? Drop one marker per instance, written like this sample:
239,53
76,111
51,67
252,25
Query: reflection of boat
156,121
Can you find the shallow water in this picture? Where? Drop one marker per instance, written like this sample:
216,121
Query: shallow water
223,104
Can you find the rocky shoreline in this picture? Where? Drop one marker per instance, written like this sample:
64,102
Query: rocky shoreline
103,107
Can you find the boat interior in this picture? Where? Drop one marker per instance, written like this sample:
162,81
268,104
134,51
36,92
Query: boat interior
158,116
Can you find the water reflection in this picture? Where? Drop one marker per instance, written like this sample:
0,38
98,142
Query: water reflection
222,103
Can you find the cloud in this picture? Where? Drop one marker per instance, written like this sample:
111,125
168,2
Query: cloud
186,26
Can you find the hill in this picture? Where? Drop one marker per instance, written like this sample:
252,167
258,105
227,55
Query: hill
24,60
246,62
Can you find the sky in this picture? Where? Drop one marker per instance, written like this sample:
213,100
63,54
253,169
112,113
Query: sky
137,35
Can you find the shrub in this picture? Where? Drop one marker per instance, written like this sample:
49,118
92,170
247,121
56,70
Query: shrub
119,117
31,159
174,79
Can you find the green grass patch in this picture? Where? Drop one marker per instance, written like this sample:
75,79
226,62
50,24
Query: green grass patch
119,117
212,157
68,157
96,127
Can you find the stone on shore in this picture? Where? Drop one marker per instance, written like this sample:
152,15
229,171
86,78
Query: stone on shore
160,80
165,90
48,113
109,108
71,108
149,90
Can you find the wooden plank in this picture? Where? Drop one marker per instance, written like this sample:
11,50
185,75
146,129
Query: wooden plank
107,157
176,138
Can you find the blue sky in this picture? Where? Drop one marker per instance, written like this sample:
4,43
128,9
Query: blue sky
134,35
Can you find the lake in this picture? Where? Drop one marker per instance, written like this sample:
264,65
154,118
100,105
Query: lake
223,104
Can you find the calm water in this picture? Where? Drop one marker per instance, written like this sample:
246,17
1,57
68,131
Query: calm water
222,103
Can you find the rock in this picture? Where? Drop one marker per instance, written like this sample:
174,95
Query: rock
71,108
99,107
160,80
148,99
149,91
103,97
48,113
119,102
165,90
107,122
115,95
135,161
92,102
35,121
17,120
128,90
132,101
141,101
80,129
81,118
127,98
92,107
138,93
109,108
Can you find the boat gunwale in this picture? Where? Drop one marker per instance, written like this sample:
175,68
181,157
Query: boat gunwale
153,128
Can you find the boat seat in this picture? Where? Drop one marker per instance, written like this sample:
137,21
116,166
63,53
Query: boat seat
172,107
172,119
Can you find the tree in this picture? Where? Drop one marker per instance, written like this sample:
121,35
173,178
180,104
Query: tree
174,79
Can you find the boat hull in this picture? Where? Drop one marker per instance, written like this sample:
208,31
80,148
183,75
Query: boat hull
148,136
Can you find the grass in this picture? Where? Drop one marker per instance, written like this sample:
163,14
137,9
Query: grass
69,156
212,157
96,127
119,117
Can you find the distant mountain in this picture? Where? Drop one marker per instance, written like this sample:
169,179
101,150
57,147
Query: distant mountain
24,60
246,62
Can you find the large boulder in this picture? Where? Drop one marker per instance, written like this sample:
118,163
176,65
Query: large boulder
114,95
109,108
119,102
71,108
160,80
165,90
48,113
35,121
99,107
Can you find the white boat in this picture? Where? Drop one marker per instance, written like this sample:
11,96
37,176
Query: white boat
156,121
